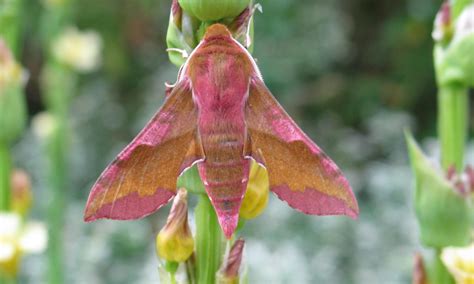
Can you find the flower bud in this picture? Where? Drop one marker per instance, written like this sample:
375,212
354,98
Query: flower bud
443,30
229,272
21,192
443,213
258,190
419,272
454,63
12,105
465,23
181,34
242,26
175,241
460,263
212,10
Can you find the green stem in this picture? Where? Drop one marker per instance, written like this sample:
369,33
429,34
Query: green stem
58,183
10,23
453,108
209,241
439,274
8,280
5,169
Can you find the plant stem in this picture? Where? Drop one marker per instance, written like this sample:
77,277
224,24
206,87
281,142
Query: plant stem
58,171
453,108
5,169
440,275
10,23
209,240
8,280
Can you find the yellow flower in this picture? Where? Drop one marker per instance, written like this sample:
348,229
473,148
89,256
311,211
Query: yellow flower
17,239
460,263
21,192
175,242
11,73
78,50
258,190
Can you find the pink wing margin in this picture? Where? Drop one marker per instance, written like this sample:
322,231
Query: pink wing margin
143,176
300,172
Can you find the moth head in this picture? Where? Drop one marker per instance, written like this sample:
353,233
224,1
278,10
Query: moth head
217,31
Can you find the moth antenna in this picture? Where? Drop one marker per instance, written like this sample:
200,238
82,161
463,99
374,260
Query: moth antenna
183,52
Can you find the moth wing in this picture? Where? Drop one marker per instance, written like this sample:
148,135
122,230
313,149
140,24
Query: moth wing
300,173
143,176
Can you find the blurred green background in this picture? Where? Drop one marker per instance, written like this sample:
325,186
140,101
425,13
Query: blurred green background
353,74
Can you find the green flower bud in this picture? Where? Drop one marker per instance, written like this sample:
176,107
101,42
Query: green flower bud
443,213
443,30
175,242
12,113
12,102
454,63
181,34
213,10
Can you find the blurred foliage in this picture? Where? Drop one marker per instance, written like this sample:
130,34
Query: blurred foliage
352,73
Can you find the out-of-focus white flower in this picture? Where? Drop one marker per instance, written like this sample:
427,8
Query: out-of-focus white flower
11,72
460,263
464,23
17,239
43,125
79,50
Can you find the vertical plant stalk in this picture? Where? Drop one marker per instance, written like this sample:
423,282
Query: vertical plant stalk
209,238
10,23
453,111
58,181
5,169
209,241
439,272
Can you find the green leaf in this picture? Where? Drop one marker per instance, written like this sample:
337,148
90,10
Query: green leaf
443,215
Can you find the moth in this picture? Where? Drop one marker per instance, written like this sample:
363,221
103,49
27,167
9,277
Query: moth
220,115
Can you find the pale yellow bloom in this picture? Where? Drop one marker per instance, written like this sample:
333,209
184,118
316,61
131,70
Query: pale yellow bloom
258,190
78,50
17,239
11,73
175,242
460,263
